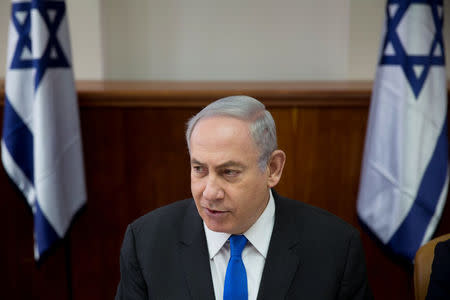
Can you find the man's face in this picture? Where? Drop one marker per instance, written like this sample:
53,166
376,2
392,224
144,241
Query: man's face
229,188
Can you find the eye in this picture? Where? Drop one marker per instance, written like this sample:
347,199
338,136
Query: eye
199,169
231,172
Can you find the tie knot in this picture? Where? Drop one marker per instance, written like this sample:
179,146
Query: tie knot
237,244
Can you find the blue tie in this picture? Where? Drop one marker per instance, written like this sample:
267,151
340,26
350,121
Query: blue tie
235,287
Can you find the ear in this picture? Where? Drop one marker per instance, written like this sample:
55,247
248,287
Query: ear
275,167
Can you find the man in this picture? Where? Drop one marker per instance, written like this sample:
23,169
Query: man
280,248
439,287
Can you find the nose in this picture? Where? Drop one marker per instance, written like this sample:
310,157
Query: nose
213,190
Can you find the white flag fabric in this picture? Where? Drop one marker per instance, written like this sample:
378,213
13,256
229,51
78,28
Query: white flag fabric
41,142
404,177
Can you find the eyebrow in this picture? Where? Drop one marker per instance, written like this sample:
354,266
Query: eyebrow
230,163
194,161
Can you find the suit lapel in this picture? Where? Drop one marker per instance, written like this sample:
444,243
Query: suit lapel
194,256
283,257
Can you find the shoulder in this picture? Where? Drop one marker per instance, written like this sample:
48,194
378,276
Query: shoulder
163,220
442,254
313,224
300,212
312,232
443,247
149,253
439,287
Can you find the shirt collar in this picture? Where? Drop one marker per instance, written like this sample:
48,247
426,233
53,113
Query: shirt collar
257,234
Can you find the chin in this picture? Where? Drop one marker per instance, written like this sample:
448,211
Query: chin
216,227
222,228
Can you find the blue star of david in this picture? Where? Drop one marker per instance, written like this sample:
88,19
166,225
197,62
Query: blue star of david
407,62
53,56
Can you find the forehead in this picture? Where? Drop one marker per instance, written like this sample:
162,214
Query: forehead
223,138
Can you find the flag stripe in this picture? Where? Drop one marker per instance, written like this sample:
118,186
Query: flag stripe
18,140
45,235
410,234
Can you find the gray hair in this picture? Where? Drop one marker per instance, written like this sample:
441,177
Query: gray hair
262,126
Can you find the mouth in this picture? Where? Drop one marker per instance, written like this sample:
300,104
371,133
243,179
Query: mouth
214,212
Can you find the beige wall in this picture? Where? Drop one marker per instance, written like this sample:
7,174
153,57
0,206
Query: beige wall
366,24
4,19
87,38
222,40
226,40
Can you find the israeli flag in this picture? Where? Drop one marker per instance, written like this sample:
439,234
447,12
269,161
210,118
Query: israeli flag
41,142
404,177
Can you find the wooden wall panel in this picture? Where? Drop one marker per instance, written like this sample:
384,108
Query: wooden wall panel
94,236
136,160
287,141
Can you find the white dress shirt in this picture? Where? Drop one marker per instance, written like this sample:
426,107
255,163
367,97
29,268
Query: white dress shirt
253,255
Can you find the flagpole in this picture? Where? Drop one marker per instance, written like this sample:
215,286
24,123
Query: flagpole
68,262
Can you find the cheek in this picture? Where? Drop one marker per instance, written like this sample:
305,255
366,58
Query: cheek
254,190
197,185
257,181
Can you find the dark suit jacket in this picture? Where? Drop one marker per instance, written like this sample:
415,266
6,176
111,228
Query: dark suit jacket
439,287
312,255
